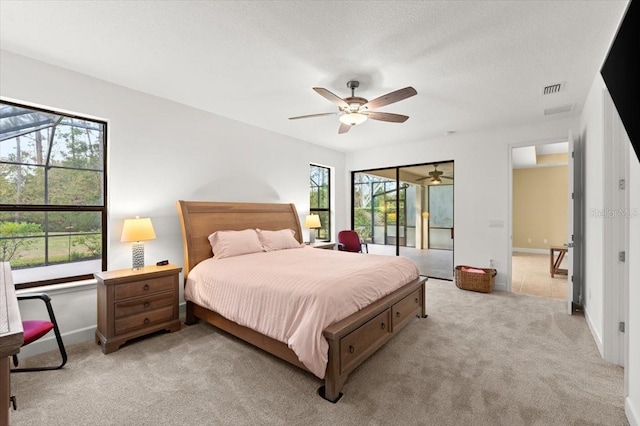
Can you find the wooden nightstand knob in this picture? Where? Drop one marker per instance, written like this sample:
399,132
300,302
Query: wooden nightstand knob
146,305
146,287
146,321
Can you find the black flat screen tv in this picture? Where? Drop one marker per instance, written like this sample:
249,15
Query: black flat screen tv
621,73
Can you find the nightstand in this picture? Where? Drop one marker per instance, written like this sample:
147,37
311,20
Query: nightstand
133,303
323,245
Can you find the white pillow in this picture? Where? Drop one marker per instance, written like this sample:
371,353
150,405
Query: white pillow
234,243
278,240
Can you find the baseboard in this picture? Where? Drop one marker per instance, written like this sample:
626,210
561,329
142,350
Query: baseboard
632,414
594,333
529,250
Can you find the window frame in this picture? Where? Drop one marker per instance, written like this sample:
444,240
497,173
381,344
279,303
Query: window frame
317,210
45,208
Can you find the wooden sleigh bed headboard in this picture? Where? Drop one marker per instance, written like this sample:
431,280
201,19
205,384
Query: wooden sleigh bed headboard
199,219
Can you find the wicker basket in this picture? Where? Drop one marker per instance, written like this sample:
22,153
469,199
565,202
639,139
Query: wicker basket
475,281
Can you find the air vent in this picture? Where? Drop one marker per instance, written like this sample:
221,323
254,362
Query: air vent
558,110
553,88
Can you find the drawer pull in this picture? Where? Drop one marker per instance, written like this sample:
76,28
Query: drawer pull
146,305
146,321
398,314
146,287
383,326
417,302
352,349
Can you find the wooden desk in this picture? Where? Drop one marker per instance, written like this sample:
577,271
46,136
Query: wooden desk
554,262
10,337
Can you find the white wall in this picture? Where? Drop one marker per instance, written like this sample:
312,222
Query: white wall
162,151
481,191
591,135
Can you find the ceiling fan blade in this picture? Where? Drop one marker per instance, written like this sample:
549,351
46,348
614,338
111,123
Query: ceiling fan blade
312,115
344,128
390,98
446,177
387,116
331,97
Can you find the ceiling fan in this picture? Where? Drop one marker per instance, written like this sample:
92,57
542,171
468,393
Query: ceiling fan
355,110
436,176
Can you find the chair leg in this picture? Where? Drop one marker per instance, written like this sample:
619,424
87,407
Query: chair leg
56,330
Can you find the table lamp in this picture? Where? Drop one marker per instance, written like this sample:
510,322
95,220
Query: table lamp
136,231
312,222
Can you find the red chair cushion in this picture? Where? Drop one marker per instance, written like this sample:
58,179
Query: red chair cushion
350,239
35,329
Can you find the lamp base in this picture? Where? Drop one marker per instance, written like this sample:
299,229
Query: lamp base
137,255
312,236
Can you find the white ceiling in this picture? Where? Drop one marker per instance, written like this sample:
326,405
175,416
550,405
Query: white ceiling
475,64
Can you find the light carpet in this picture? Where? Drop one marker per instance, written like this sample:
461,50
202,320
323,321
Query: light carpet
478,359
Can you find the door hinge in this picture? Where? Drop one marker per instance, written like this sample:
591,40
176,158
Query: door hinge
622,256
621,184
621,326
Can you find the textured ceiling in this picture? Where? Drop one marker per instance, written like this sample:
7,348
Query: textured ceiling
475,64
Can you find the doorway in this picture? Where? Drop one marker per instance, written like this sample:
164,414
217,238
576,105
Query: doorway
408,211
540,190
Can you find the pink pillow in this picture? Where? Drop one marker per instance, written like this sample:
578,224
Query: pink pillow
234,243
473,270
278,240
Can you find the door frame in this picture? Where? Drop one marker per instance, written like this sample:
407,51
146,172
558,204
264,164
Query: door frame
510,148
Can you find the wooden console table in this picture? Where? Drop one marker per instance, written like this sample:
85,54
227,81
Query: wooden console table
10,337
554,262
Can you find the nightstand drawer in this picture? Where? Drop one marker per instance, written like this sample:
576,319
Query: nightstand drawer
144,319
140,304
142,287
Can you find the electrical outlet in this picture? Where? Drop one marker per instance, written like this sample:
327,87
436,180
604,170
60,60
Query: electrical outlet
490,263
545,241
528,240
496,224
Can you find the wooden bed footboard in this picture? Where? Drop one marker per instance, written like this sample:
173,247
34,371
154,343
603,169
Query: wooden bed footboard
351,340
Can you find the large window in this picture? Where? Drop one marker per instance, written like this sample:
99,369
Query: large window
52,195
320,199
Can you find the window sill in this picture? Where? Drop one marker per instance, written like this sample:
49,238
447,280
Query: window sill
61,288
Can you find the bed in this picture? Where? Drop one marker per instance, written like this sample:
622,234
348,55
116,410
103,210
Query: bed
350,340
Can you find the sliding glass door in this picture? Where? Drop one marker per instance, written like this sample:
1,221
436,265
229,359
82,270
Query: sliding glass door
399,211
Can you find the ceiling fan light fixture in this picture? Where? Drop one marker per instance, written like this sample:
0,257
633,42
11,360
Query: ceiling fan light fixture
353,118
436,181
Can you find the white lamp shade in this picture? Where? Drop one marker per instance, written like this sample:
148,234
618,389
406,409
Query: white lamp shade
312,221
138,229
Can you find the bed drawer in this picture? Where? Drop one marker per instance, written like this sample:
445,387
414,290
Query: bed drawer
142,287
361,342
144,319
405,309
142,304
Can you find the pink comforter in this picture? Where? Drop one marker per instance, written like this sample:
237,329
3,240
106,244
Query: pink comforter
293,295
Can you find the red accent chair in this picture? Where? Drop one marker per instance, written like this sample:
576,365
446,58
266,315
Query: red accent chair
35,329
349,240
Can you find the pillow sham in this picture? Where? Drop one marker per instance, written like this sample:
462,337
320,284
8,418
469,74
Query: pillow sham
278,240
234,243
